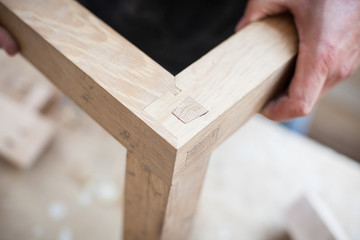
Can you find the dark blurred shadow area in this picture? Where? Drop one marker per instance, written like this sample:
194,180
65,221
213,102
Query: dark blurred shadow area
281,236
173,33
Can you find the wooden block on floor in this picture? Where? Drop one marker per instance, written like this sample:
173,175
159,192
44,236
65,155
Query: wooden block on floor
24,133
41,97
310,218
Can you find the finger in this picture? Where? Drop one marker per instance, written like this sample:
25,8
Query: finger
257,9
251,13
7,42
310,75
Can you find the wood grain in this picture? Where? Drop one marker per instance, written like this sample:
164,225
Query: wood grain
155,209
188,110
146,199
183,200
228,73
233,82
133,98
102,72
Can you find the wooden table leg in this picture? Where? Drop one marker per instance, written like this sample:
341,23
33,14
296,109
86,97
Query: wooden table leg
155,209
169,124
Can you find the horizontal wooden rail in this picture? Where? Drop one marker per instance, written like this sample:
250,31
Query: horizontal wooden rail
232,82
169,124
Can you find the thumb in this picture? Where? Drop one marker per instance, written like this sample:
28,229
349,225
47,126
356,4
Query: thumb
311,72
258,9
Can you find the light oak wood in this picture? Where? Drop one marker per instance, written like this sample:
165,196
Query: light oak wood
258,55
142,105
145,201
233,82
188,110
102,72
183,200
156,209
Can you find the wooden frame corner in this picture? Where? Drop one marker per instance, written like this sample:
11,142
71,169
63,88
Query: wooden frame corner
134,98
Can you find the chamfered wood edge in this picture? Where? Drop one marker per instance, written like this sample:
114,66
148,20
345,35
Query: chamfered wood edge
136,131
136,128
148,139
266,54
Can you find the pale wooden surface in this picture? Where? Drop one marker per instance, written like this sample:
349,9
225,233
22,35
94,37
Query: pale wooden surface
98,69
117,100
183,200
226,88
253,178
145,200
123,90
224,81
232,81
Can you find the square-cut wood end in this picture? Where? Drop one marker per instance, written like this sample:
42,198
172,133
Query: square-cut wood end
188,110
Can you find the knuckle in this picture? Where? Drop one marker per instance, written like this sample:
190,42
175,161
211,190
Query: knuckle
328,51
301,109
344,72
325,57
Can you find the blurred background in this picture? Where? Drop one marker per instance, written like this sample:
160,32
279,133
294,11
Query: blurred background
336,120
72,186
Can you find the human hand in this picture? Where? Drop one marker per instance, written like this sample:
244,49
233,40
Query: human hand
329,49
7,42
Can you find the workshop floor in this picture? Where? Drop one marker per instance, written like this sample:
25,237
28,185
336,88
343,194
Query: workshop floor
336,120
75,190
